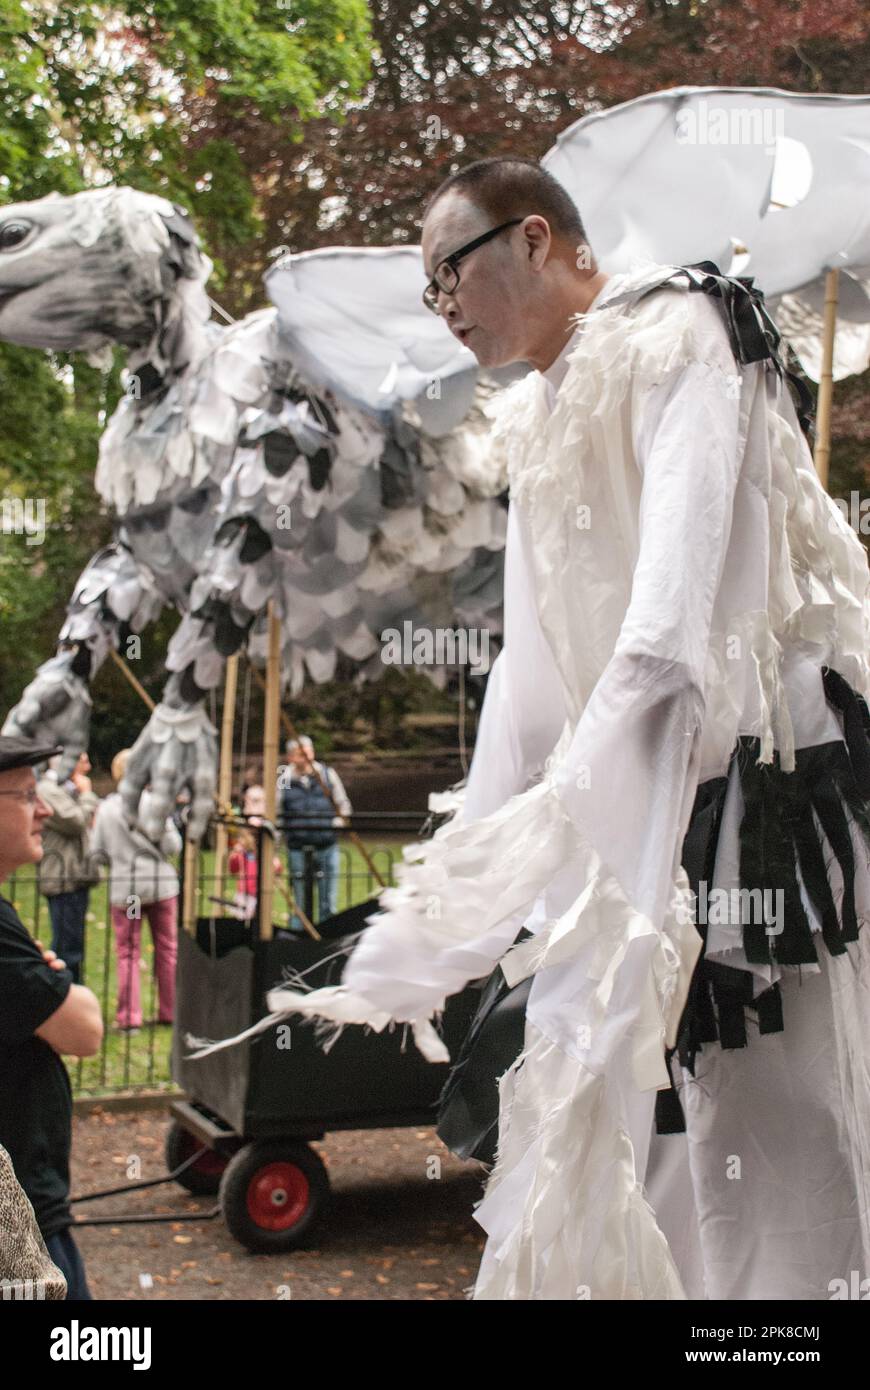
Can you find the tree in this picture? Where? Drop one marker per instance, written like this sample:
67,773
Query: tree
96,93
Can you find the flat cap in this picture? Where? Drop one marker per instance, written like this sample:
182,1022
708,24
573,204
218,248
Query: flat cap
24,752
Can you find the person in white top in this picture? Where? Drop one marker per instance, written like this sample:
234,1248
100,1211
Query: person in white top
678,714
141,882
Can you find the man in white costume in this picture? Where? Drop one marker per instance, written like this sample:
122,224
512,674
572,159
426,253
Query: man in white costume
686,655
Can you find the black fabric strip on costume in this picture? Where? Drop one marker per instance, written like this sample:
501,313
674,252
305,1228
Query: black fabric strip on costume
753,335
778,836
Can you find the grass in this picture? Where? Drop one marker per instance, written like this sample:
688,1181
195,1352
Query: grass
141,1061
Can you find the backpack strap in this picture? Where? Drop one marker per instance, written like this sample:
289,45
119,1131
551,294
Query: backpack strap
753,335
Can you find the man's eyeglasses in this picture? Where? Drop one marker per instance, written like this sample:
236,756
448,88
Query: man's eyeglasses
31,795
446,276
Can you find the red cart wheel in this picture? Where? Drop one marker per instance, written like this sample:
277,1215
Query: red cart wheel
273,1194
202,1177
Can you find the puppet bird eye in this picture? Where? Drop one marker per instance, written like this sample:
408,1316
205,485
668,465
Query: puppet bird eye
13,233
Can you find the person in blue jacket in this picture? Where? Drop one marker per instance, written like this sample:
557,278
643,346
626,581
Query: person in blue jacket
313,804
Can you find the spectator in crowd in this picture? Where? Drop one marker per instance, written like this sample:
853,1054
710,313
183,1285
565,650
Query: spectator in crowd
309,821
141,881
66,874
43,1013
243,862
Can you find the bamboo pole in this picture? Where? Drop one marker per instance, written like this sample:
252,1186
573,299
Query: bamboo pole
270,766
188,901
290,729
137,685
242,822
293,907
225,780
225,775
822,456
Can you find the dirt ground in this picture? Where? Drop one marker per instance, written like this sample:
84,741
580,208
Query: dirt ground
391,1232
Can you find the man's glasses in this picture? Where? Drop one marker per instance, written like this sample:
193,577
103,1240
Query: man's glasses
31,795
446,276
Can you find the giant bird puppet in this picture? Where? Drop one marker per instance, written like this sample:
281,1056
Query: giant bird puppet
323,403
238,472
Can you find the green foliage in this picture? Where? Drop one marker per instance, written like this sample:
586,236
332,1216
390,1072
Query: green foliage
49,429
94,93
289,57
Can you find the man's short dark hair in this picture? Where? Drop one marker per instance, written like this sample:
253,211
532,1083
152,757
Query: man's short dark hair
506,187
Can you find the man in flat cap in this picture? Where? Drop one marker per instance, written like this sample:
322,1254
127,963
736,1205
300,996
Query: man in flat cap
43,1015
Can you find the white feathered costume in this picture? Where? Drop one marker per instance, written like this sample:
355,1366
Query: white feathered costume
675,577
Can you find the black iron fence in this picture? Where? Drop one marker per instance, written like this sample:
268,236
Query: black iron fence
128,938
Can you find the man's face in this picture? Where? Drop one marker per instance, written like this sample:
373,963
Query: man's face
20,821
488,310
300,759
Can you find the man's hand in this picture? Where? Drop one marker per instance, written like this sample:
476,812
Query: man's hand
81,782
51,957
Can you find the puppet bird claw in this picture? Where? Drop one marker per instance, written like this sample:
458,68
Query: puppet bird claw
177,749
55,706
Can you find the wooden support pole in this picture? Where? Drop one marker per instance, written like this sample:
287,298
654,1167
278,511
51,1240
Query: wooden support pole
137,685
189,899
225,775
271,723
822,457
294,908
352,835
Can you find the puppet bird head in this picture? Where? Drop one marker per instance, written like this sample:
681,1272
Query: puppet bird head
110,265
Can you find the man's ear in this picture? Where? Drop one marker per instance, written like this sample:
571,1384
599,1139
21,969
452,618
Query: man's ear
538,239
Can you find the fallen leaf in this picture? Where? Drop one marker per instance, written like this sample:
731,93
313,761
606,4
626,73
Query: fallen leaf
182,1240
